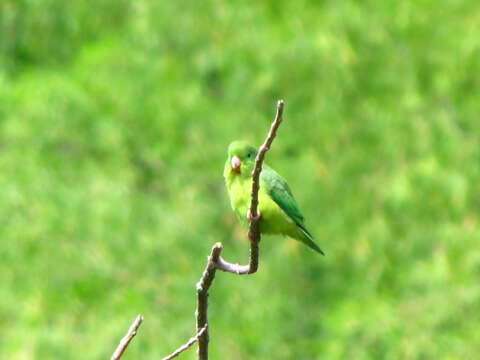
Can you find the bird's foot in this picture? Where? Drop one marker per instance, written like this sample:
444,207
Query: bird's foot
251,218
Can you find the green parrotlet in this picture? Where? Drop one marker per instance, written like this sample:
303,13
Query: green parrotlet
279,213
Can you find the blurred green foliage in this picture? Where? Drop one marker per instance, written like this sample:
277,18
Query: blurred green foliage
114,121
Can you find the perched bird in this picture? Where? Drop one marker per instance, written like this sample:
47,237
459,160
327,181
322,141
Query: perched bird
279,213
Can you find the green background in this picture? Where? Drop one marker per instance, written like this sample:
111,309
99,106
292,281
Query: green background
115,116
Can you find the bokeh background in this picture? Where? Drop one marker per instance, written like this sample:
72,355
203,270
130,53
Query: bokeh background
115,116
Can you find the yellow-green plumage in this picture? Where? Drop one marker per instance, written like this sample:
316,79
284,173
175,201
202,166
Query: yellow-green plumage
278,208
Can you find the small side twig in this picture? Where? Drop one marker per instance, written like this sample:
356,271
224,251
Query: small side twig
125,341
185,346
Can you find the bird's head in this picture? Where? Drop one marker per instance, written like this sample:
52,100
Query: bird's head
241,158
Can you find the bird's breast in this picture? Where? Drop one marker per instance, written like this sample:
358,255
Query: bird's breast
239,191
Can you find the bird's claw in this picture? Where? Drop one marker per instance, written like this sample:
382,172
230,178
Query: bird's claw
251,218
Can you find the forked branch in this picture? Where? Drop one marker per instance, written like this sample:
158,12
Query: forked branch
215,261
253,215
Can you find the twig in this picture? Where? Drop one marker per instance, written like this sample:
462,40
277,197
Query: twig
185,346
132,331
215,261
253,214
259,159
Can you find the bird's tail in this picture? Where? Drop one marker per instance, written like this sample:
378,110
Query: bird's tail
307,239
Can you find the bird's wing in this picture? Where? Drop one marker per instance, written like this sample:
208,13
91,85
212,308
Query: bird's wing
278,189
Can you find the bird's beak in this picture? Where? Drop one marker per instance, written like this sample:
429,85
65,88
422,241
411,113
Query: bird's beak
236,162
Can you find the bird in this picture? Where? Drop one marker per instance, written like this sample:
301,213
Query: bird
279,213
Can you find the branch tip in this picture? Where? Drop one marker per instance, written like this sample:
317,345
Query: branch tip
125,341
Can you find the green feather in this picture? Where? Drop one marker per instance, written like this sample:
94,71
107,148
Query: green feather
278,189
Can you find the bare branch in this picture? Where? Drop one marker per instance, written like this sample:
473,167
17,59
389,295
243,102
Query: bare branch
259,160
253,214
185,346
125,341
